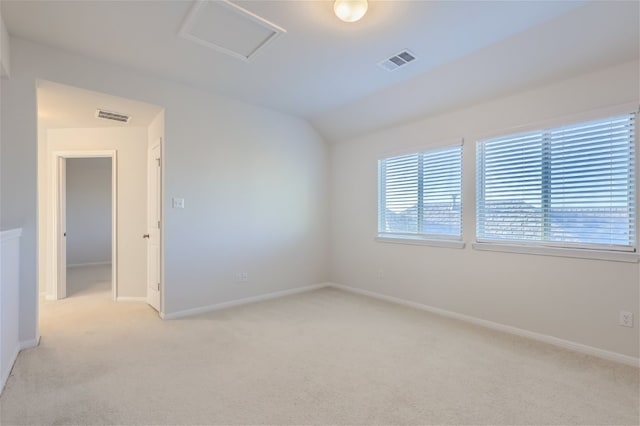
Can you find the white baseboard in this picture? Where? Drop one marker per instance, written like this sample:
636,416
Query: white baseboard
79,265
566,344
131,299
6,374
238,302
28,344
22,345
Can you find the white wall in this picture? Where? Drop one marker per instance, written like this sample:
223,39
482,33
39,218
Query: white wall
9,294
573,299
254,183
88,211
18,189
5,51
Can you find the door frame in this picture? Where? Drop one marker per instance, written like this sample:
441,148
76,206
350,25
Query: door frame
160,201
57,285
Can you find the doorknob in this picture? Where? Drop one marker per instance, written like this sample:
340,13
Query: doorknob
145,236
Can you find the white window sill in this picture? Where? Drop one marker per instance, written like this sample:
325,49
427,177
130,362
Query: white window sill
560,252
419,241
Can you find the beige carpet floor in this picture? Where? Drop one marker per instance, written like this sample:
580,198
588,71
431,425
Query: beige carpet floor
324,357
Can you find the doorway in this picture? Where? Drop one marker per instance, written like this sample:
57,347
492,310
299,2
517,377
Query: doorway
89,226
85,226
70,129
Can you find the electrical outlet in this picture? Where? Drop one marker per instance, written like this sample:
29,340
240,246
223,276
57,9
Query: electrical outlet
242,277
626,319
380,274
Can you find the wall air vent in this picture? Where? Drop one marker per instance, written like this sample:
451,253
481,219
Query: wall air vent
398,60
114,116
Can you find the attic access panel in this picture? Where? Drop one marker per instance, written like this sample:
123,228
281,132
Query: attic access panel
228,28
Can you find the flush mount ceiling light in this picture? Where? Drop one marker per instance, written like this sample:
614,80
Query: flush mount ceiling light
350,10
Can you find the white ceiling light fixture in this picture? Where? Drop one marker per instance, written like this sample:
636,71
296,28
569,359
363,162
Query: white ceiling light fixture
350,10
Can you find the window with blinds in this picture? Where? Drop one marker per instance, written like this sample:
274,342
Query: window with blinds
420,195
572,186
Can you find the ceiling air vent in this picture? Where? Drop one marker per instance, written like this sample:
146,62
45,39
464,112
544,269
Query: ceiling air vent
398,60
114,116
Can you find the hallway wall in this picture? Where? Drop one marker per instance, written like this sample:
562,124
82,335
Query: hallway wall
88,211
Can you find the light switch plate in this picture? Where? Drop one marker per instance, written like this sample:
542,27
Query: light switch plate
178,203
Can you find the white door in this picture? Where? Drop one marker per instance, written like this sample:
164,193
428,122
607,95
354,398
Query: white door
154,206
62,229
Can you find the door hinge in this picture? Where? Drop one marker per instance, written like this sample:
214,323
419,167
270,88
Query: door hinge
158,224
158,287
158,160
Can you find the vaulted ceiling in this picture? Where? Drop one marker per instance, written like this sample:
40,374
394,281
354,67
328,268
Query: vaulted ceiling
326,70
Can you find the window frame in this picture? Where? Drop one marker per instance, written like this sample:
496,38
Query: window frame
420,238
566,249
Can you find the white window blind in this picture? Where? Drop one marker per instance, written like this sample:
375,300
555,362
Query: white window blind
572,186
420,194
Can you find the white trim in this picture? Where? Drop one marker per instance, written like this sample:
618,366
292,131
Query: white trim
160,191
79,265
238,302
420,241
163,214
22,345
131,299
55,158
5,378
28,344
422,147
559,252
10,234
555,341
564,120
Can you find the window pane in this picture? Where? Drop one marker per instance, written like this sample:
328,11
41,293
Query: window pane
509,182
590,185
420,194
442,180
569,186
400,184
